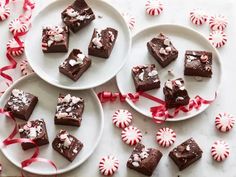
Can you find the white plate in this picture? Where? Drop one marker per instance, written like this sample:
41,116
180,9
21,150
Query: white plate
102,70
89,133
183,39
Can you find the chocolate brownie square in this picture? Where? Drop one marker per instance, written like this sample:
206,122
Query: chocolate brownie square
75,65
145,77
144,160
69,110
198,63
162,49
55,39
102,42
21,104
186,154
175,93
77,15
67,145
34,130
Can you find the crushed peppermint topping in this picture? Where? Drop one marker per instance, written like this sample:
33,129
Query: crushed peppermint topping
166,42
152,73
141,76
137,157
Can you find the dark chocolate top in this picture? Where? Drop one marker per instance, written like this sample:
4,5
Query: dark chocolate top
173,86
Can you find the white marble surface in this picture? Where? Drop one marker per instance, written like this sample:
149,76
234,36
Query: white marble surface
201,127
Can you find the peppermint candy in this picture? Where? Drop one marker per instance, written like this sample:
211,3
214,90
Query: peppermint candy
108,165
4,12
165,137
218,38
198,17
224,122
131,135
154,7
130,20
218,22
220,150
14,48
18,27
25,68
122,118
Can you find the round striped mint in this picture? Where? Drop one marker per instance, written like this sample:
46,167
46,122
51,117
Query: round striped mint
108,165
224,122
18,50
16,27
198,17
4,12
130,20
154,7
131,135
220,150
218,22
165,137
122,118
218,38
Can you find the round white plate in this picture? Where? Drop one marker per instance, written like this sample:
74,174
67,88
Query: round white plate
183,39
89,133
102,70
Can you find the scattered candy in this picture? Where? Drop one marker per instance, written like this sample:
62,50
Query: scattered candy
4,12
220,150
154,7
108,165
17,27
131,135
122,118
25,68
218,38
218,22
130,20
224,122
17,49
198,17
171,72
165,137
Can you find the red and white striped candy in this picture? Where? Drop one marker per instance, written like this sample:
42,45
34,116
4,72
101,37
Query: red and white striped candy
4,12
218,38
220,150
130,20
224,122
18,50
16,27
154,7
198,17
218,22
25,68
108,165
122,118
131,135
165,137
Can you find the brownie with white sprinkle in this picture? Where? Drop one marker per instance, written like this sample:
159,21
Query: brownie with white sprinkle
145,77
144,160
186,154
162,49
75,65
21,104
67,145
102,42
34,130
69,110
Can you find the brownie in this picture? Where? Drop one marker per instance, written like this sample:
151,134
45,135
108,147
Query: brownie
102,42
55,39
75,65
21,104
69,110
144,160
186,154
67,145
175,93
198,63
162,49
34,130
145,77
77,15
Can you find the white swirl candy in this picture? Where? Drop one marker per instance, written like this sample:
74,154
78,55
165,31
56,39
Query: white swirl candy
108,165
218,38
122,118
16,27
220,150
4,12
198,16
224,122
154,7
165,137
131,135
17,49
218,22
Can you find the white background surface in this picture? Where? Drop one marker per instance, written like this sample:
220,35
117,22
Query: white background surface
201,128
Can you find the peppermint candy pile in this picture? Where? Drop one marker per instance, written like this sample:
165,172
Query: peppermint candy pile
108,165
224,122
131,135
165,137
154,7
220,150
122,118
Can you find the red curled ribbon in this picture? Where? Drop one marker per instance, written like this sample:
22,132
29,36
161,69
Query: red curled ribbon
159,113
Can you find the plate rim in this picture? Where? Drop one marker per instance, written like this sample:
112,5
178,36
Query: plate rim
143,30
89,154
118,12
